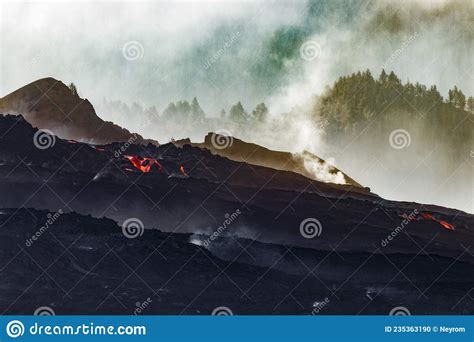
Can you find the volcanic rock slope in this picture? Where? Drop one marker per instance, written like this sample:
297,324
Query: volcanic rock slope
83,265
49,104
238,150
217,233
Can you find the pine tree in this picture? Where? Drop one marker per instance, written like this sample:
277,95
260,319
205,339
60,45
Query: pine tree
383,77
73,89
170,111
470,104
183,109
260,112
237,112
460,101
196,110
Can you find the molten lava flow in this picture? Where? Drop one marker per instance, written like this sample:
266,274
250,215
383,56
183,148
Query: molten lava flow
181,168
144,164
427,216
444,224
99,149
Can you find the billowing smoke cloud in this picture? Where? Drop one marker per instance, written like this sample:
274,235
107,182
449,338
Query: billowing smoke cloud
426,42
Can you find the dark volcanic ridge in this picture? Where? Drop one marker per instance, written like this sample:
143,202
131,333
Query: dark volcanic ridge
241,151
49,104
189,189
214,230
83,265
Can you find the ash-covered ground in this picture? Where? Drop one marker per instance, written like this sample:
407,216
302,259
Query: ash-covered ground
177,230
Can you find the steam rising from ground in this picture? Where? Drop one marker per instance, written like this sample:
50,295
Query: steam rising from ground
323,171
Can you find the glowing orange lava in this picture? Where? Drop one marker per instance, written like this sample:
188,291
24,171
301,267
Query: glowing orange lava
144,164
444,224
181,168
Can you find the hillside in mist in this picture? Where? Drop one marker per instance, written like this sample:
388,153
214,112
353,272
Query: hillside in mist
402,139
355,100
49,104
381,128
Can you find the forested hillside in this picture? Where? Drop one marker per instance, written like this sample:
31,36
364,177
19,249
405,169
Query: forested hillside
354,101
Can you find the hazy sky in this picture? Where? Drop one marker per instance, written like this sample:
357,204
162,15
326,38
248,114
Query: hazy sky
223,52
